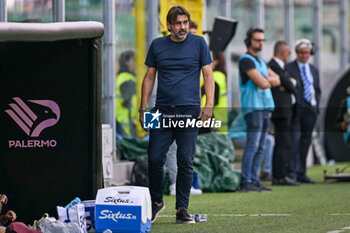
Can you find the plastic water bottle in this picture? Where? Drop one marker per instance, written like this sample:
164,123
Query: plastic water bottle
199,217
73,202
107,231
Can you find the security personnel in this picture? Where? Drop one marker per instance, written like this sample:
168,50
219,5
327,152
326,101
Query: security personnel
126,100
220,95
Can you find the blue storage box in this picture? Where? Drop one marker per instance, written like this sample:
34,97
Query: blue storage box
123,209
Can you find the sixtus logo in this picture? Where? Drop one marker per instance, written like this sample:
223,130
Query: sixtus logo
117,200
33,121
108,214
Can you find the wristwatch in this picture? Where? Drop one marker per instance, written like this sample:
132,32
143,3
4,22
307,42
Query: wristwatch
142,109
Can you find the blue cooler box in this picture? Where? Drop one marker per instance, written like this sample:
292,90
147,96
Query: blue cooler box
123,209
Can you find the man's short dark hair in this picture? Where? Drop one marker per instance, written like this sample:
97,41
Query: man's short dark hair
193,25
221,66
279,47
249,35
174,12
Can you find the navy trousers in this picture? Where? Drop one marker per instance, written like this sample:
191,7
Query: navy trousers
303,125
159,143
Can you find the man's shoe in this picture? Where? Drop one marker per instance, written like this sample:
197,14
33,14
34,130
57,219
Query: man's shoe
285,181
331,162
265,176
195,191
262,188
172,189
289,181
306,180
183,217
249,187
157,209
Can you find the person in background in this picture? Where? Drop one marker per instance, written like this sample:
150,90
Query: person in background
220,96
238,134
256,79
171,155
193,28
343,117
266,159
284,98
7,220
8,217
308,99
126,100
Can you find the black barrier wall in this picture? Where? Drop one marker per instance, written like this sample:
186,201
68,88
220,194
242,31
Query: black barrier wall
335,145
50,121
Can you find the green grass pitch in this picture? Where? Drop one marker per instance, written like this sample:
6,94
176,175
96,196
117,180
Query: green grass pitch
323,207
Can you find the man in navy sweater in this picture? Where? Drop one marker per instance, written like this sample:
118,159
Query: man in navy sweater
178,59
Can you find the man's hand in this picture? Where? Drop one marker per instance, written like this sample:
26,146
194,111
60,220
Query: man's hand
11,215
3,199
273,78
141,119
205,113
344,126
7,218
147,87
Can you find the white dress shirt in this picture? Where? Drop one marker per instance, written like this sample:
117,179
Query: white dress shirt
282,65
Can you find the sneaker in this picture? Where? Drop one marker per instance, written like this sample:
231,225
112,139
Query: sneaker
262,188
172,189
157,209
265,176
183,217
331,162
195,191
249,187
306,180
285,181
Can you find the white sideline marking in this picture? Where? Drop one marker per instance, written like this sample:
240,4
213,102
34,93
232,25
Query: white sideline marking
341,230
250,215
234,215
261,215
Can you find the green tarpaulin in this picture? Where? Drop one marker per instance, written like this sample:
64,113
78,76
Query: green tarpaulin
214,163
213,160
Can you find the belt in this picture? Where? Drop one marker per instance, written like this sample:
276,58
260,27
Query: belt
182,106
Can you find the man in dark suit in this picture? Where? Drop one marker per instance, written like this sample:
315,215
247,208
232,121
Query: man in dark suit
284,97
308,99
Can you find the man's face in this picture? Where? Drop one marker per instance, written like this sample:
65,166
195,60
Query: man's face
131,64
193,31
179,29
303,54
257,41
285,53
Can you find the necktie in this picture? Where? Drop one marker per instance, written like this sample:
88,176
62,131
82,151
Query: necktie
306,84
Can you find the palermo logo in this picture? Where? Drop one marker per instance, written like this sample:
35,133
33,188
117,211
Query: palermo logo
46,114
